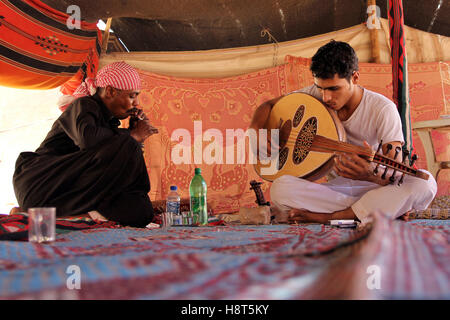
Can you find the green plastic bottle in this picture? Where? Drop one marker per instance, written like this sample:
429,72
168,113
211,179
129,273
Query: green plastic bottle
197,192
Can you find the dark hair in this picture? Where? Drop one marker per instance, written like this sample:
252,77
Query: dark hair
335,57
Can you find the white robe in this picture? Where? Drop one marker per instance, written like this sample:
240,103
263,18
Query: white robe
363,197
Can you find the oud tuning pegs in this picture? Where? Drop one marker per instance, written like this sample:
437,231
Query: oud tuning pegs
389,147
379,146
413,159
375,171
405,155
397,151
392,177
401,180
384,173
411,163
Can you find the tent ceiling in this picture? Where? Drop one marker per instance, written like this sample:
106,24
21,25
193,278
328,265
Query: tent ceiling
179,25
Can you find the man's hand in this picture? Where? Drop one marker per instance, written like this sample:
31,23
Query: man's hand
351,166
135,115
354,167
140,127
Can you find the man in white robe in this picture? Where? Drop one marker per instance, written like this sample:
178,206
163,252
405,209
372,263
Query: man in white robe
368,118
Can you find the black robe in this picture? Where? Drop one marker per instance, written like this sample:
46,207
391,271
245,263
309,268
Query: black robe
86,163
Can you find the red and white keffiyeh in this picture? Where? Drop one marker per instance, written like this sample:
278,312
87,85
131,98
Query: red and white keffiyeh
119,75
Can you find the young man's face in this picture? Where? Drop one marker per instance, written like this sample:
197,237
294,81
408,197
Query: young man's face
336,92
122,101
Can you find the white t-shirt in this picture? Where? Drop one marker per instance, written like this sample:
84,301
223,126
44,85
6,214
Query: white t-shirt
375,119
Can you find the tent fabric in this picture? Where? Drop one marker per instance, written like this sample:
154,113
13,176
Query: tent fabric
400,69
39,51
173,104
422,47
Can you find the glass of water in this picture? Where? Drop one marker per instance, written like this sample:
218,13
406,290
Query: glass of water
41,224
167,220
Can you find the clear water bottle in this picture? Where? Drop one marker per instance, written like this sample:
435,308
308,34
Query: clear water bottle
197,193
173,205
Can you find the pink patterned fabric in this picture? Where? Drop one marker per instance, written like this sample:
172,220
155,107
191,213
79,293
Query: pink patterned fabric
221,104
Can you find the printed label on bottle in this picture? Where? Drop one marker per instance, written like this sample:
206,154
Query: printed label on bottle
199,210
173,206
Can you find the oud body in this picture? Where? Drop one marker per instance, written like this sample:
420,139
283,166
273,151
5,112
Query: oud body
302,116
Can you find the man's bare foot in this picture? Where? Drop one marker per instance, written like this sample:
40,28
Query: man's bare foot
305,216
406,216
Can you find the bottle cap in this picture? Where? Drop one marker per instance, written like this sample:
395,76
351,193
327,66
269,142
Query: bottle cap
173,188
198,170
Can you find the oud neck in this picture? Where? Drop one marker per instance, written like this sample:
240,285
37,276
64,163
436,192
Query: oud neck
323,144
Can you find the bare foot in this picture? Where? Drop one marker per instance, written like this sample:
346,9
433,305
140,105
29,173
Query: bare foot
305,216
405,217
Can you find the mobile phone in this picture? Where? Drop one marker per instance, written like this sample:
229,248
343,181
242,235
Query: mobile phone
343,223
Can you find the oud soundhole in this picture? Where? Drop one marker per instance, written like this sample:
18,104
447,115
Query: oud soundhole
283,157
298,115
304,140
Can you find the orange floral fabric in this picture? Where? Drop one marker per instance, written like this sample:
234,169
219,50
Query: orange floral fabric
174,103
221,104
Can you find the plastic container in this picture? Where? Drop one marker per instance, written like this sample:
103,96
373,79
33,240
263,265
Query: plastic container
173,205
198,204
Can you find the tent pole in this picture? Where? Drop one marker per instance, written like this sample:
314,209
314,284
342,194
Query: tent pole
375,45
106,35
399,63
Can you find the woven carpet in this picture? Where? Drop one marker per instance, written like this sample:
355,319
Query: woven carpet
308,261
15,226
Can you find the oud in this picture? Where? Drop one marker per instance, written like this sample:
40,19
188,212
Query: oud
310,134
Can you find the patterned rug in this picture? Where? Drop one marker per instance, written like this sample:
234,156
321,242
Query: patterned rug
15,226
308,261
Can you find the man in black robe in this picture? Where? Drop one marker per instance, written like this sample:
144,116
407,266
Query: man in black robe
86,163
